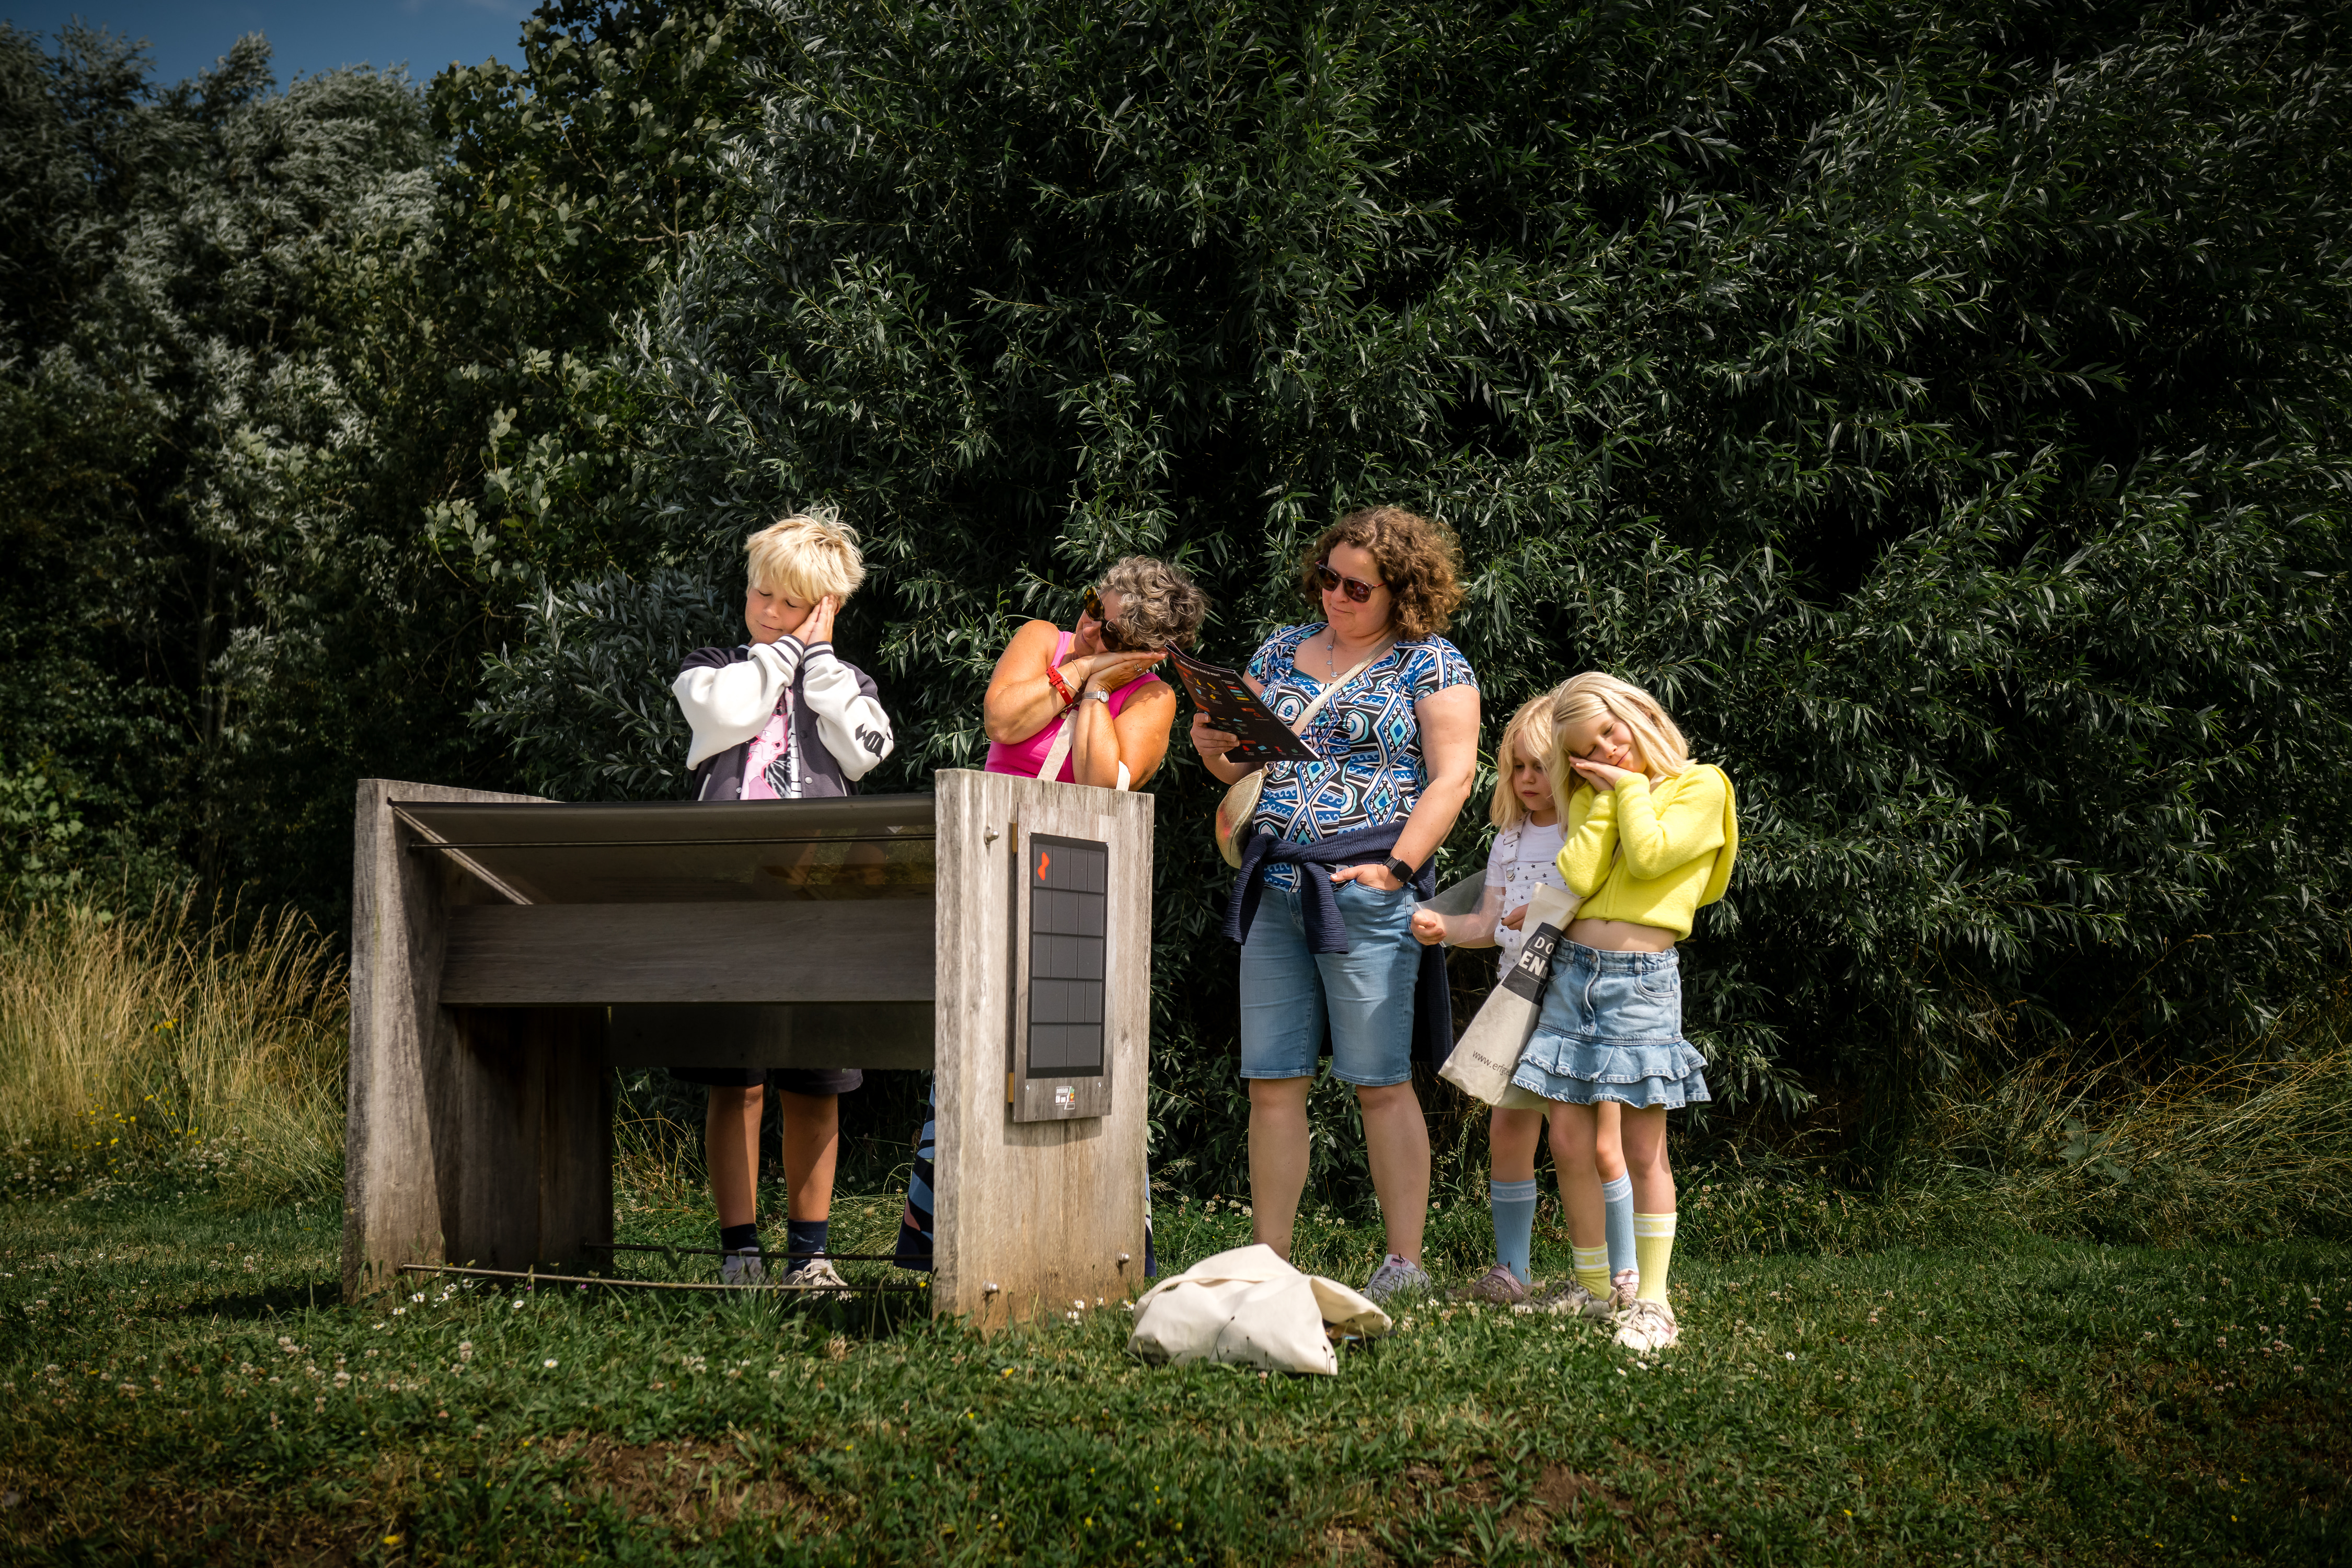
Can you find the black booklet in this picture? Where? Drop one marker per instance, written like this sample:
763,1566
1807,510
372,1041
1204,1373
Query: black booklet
1233,707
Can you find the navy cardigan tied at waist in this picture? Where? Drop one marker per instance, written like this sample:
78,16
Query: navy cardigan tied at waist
1432,1009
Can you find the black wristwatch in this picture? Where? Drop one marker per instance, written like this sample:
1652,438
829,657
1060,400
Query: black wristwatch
1400,870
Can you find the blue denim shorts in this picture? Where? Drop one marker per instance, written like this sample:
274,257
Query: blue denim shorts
1612,1028
1366,993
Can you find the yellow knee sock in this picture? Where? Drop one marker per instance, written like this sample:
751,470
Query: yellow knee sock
1653,1248
1592,1268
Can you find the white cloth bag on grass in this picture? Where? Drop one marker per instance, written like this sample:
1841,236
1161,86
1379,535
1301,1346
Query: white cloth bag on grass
1250,1308
1488,1052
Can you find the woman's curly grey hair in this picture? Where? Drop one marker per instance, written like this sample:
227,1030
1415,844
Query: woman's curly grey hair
1159,604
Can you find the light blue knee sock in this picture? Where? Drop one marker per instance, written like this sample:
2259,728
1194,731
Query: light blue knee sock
1617,1197
1514,1204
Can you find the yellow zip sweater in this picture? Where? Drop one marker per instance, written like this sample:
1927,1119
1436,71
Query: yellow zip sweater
1652,853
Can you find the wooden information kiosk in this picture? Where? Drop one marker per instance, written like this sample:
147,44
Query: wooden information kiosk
508,953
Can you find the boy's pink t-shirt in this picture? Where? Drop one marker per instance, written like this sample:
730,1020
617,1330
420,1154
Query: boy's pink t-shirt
772,741
1025,757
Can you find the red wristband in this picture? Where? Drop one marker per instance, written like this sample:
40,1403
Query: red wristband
1061,687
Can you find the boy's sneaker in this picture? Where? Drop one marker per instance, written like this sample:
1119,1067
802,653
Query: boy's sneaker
813,1273
1624,1289
1646,1326
1498,1285
742,1268
1395,1277
1571,1299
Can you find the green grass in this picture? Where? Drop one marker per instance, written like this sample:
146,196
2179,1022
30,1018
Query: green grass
172,1395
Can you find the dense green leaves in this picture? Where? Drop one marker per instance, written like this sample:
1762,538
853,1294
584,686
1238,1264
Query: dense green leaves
1942,408
182,426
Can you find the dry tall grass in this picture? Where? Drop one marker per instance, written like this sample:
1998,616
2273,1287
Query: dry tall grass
2253,1148
171,1047
2257,1146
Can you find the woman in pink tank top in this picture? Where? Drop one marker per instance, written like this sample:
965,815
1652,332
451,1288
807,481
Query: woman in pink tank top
1097,678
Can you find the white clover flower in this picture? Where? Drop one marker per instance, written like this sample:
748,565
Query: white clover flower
549,1363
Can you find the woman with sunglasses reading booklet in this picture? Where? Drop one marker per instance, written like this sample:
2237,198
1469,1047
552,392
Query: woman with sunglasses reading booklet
1323,905
1082,706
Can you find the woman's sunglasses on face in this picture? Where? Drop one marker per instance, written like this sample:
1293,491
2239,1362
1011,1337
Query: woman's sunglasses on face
1356,589
1091,605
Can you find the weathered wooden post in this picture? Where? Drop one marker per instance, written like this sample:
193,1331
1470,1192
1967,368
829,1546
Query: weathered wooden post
506,951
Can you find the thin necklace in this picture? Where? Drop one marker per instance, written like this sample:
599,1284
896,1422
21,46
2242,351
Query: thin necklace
1330,648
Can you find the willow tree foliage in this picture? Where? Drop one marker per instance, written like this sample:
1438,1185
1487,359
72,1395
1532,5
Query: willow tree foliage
298,384
183,428
1943,407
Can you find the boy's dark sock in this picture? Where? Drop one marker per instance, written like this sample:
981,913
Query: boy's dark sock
806,1236
740,1237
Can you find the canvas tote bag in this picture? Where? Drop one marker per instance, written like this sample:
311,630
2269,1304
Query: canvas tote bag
1233,812
1488,1053
1249,1308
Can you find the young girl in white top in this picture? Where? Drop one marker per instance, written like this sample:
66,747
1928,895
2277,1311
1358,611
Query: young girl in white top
1524,857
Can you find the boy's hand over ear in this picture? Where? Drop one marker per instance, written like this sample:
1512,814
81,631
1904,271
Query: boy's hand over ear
818,627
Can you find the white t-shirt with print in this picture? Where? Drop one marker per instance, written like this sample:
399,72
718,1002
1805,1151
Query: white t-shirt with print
1524,858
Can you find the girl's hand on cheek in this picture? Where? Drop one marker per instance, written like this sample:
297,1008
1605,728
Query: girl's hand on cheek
818,627
1601,775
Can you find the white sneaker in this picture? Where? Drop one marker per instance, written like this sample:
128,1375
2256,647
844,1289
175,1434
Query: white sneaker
1571,1299
814,1273
742,1268
1395,1277
1646,1326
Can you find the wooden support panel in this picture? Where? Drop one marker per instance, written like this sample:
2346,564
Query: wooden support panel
720,1034
1047,1212
465,1137
528,1176
602,955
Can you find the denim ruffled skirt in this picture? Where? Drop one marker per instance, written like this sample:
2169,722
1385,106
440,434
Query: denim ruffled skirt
1612,1028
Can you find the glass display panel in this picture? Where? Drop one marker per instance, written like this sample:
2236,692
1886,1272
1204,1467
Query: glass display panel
653,852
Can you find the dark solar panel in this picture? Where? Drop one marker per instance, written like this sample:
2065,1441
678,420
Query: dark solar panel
1069,884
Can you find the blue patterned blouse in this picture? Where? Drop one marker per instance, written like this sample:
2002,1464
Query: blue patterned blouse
1369,735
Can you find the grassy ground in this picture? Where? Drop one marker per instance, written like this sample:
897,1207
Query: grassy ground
179,1385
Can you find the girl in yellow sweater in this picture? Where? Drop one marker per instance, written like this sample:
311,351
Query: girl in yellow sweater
1651,837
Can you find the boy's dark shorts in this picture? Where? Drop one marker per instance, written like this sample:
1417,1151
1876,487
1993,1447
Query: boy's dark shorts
791,1081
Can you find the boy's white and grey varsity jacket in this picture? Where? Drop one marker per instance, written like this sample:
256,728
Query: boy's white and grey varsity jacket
839,731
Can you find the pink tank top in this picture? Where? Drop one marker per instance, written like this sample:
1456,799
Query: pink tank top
1025,757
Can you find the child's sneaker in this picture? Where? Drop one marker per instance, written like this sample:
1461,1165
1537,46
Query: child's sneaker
815,1273
1571,1299
1647,1326
742,1268
1395,1277
1498,1285
1624,1289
